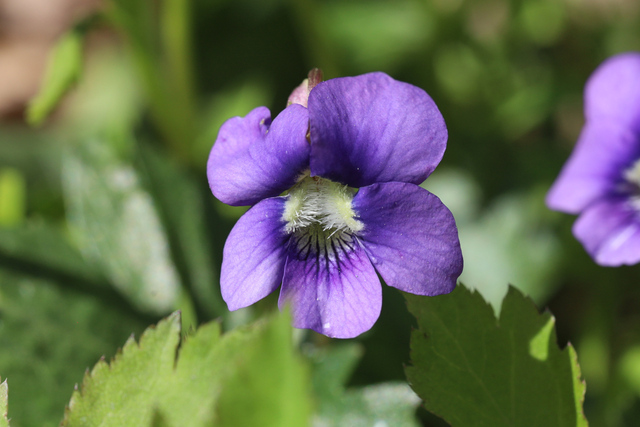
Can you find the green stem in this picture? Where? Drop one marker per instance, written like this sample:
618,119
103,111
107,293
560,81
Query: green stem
175,28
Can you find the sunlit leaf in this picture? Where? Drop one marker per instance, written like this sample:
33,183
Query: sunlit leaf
117,227
472,369
248,374
63,69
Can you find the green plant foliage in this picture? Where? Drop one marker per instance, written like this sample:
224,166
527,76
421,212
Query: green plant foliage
506,372
391,403
4,389
64,68
49,336
43,249
117,226
181,209
250,374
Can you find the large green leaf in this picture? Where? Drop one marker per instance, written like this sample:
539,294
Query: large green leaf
248,375
391,403
117,226
472,369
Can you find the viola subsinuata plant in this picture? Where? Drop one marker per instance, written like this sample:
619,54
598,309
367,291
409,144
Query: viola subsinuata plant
601,180
333,181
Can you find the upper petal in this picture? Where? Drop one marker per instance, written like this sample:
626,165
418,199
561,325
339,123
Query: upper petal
254,255
339,297
372,128
596,166
613,91
410,237
253,159
610,231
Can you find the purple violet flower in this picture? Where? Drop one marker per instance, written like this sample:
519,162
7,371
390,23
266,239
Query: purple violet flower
601,180
309,228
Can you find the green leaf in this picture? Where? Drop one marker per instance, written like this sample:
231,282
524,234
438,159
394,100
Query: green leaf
181,208
42,249
12,197
63,69
270,386
471,369
50,335
116,225
392,404
4,389
248,374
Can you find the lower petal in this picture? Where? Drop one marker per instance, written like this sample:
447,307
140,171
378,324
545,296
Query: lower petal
254,255
410,237
610,231
339,295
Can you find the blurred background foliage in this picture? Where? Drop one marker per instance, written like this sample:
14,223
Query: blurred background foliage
107,222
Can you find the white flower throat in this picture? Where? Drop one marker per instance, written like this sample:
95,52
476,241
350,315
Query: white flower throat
318,213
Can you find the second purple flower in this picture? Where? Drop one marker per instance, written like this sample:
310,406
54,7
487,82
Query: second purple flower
334,183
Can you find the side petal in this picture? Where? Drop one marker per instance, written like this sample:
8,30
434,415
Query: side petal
595,168
372,128
410,237
253,159
609,230
613,91
339,297
254,255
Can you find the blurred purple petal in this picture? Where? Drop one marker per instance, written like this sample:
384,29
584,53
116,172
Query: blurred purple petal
610,231
371,128
410,237
595,168
339,298
254,255
613,92
253,158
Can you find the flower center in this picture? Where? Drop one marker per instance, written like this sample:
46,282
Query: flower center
318,213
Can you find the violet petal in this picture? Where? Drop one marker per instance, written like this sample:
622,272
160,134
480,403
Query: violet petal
595,168
254,255
372,128
339,298
410,236
613,92
253,158
610,231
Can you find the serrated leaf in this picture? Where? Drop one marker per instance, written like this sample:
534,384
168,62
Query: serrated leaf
4,389
391,404
117,226
472,369
63,69
215,380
